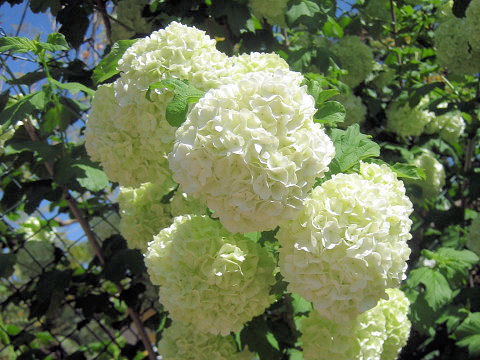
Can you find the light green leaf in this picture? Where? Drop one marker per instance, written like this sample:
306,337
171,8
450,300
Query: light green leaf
437,290
20,109
302,8
332,29
351,146
184,95
45,151
300,305
55,42
94,178
17,44
73,87
330,112
454,263
408,171
108,66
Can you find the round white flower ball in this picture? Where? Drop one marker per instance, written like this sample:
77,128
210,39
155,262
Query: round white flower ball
355,57
208,277
377,334
181,341
349,243
143,213
251,151
449,126
183,204
434,174
131,142
406,121
356,111
273,11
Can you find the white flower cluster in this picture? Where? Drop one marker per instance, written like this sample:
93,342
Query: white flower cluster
356,111
208,277
130,19
252,151
434,174
349,242
181,341
272,11
449,126
456,40
355,57
377,334
406,121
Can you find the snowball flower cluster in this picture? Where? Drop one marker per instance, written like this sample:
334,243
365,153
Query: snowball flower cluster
183,204
252,151
129,13
355,109
453,40
355,57
473,236
406,121
349,242
208,277
272,11
143,213
449,126
131,142
377,334
434,174
181,341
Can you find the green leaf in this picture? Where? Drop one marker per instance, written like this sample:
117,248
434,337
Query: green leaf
420,91
20,109
300,305
122,261
7,261
108,66
73,87
468,333
302,8
330,112
351,146
437,290
17,44
455,264
94,179
408,171
332,29
184,95
55,42
43,150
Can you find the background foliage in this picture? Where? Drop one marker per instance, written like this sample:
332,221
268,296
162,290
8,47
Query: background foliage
61,298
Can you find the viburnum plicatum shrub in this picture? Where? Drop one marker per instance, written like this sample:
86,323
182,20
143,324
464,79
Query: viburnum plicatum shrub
404,120
212,279
449,126
181,341
434,174
349,242
377,334
247,156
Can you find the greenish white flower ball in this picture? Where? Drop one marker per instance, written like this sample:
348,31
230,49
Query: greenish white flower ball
251,150
356,111
182,342
273,11
355,57
473,236
132,141
183,204
449,126
434,174
377,334
143,214
208,277
406,121
349,242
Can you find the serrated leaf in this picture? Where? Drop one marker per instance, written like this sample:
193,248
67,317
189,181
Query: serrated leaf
55,42
184,94
17,44
20,109
94,178
108,66
73,87
351,146
408,171
468,333
301,8
454,263
330,112
437,290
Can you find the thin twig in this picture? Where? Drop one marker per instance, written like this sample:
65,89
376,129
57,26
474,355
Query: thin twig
394,29
22,19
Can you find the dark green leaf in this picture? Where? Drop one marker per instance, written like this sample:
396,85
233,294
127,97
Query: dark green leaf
74,19
437,290
351,146
330,112
300,305
122,263
7,261
332,29
184,95
45,151
22,108
301,8
408,171
454,263
422,90
108,66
